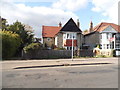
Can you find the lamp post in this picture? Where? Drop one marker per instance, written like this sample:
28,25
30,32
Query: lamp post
114,42
72,45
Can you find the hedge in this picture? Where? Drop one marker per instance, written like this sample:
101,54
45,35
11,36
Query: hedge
10,43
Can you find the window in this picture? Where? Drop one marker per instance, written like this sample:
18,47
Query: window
117,36
70,35
110,46
100,36
64,36
74,35
48,39
107,46
118,46
67,48
113,34
67,35
104,46
107,35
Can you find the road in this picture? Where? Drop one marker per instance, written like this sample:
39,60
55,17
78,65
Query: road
87,76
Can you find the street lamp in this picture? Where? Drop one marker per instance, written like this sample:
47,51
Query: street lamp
72,44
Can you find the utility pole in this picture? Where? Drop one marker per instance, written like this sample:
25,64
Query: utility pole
114,42
72,44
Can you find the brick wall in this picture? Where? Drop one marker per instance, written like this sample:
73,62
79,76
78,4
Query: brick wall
79,40
92,40
86,53
47,54
60,40
51,54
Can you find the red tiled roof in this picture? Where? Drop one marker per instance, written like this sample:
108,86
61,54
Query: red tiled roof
50,31
103,25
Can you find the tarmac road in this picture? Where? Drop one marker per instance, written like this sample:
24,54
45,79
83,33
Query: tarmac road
87,76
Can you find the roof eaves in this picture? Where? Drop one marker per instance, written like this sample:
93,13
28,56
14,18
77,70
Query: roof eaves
90,33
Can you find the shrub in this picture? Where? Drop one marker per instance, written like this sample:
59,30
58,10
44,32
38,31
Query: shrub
32,47
59,49
10,43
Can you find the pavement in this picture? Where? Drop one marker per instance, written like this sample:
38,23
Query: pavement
30,64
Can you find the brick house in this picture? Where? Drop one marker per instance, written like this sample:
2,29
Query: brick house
62,36
68,32
48,34
107,35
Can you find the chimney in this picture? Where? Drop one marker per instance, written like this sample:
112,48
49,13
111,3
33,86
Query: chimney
78,23
60,24
91,27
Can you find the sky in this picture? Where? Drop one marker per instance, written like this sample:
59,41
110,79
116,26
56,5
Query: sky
50,12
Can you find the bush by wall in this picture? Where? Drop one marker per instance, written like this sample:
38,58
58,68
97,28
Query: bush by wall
32,47
10,43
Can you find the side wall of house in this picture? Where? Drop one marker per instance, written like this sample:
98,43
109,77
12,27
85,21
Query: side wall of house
79,40
48,41
92,39
60,40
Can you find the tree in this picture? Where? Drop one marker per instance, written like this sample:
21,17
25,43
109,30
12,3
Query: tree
25,35
85,31
4,24
10,43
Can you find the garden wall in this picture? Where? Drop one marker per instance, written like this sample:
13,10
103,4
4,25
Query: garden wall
47,54
51,54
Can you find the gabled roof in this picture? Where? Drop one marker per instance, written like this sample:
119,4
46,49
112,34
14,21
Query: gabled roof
50,31
100,27
70,26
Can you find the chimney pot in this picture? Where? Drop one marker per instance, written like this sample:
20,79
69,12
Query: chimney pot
78,23
91,26
60,24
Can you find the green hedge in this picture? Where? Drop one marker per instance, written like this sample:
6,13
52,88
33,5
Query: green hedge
10,43
32,47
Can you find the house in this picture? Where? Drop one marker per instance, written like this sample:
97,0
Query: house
107,35
62,36
48,34
70,31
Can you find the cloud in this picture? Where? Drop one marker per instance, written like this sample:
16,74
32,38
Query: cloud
35,16
70,5
108,8
60,10
30,0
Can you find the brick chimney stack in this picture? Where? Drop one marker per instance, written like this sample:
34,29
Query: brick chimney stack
91,27
60,24
78,23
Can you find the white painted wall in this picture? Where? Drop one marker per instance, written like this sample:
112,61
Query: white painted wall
56,40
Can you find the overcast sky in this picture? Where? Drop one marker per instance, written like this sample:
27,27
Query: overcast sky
50,12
